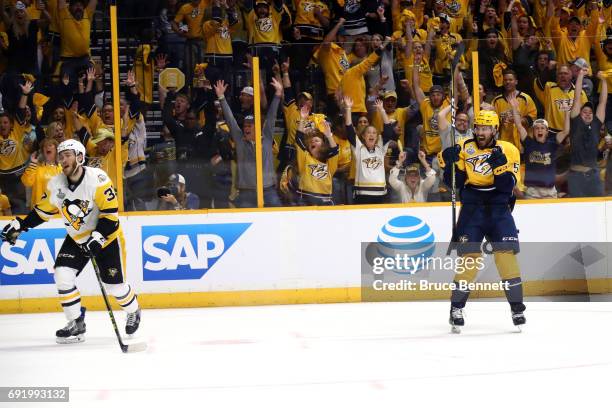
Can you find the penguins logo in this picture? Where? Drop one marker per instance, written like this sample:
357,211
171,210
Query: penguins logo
75,212
264,24
318,171
372,162
7,147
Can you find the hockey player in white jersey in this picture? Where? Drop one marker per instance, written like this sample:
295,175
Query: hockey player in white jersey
86,200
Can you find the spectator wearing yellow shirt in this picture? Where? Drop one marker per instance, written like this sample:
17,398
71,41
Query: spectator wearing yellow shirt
218,39
525,106
429,108
445,44
573,42
557,98
353,81
333,61
188,23
75,31
5,205
14,152
264,27
43,166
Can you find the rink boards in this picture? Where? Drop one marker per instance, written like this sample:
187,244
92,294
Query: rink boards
216,258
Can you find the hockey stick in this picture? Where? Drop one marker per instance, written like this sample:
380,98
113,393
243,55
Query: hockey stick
458,53
126,348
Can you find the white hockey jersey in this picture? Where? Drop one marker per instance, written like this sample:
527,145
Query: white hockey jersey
370,177
81,204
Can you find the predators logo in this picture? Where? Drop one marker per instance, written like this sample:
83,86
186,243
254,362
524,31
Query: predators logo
264,25
372,163
564,105
453,8
75,211
7,147
308,6
318,171
433,121
352,6
479,165
224,32
344,63
94,162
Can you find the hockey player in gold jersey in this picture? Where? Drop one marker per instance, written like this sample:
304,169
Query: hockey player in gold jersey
86,200
486,171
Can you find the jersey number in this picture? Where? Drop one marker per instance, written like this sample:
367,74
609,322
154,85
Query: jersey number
110,194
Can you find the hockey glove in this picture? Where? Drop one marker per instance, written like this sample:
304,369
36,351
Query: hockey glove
11,231
93,245
451,154
497,158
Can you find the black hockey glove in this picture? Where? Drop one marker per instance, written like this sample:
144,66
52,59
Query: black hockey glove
497,158
451,154
11,231
93,245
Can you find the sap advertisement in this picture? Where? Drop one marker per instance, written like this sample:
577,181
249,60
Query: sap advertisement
237,251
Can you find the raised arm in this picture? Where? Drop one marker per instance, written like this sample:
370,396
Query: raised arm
603,97
442,121
577,105
268,129
220,88
331,36
566,129
351,135
516,115
419,95
328,135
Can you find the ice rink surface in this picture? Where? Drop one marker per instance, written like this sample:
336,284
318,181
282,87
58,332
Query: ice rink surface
338,355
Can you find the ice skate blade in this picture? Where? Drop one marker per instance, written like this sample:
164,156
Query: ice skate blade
519,328
455,329
70,340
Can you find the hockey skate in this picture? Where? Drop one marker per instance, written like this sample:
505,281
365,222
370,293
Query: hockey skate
133,321
518,318
456,319
74,332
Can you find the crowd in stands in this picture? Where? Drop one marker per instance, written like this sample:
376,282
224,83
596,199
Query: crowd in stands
356,98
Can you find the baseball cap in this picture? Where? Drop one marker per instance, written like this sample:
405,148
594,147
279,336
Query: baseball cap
249,118
444,16
581,63
587,105
543,122
412,168
436,88
576,19
176,178
608,39
248,90
103,134
20,6
390,94
306,95
263,2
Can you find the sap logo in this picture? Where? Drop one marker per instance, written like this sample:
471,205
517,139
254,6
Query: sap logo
176,252
31,260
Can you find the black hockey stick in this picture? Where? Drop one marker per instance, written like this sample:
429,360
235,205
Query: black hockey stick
126,348
458,53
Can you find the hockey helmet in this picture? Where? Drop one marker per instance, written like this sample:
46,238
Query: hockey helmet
487,118
74,145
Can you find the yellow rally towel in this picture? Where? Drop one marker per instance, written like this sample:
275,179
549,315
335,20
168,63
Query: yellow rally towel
498,69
